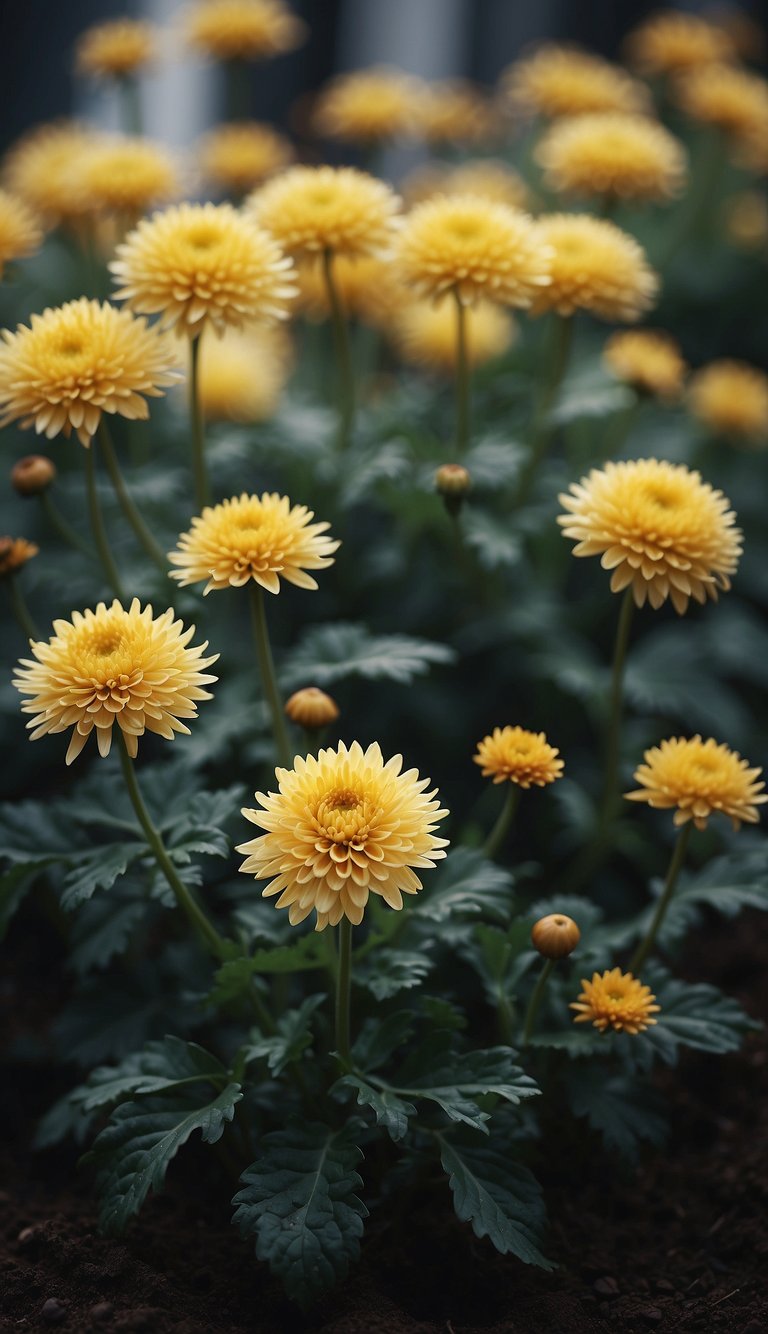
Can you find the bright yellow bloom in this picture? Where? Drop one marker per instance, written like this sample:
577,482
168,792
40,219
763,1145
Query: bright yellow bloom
424,333
746,215
456,113
513,755
311,708
614,155
313,209
343,826
127,175
647,359
115,49
658,527
366,287
564,81
20,233
481,250
80,360
672,41
243,29
615,1000
239,156
731,99
699,778
242,375
731,398
15,552
367,106
43,168
114,666
595,266
263,538
203,264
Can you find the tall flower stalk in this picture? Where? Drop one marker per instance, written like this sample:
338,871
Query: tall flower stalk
345,388
462,377
343,990
613,729
268,676
197,426
678,857
145,538
97,524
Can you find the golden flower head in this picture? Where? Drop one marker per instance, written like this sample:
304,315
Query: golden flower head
478,249
242,375
595,266
343,825
239,156
115,49
313,209
672,41
127,175
731,99
80,360
43,169
489,178
203,264
615,1000
112,665
699,778
367,106
555,936
614,155
311,708
746,219
658,527
565,81
20,232
243,29
647,359
263,538
424,333
32,474
513,755
731,398
366,287
456,112
15,552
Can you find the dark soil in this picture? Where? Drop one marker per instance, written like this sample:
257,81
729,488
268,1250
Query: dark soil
678,1244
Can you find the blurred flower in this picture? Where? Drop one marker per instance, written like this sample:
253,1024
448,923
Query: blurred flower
555,936
115,49
343,826
452,481
242,374
731,398
658,527
313,209
366,287
114,666
745,34
367,106
77,361
20,232
424,333
671,40
311,708
243,29
488,178
565,81
615,1000
612,154
127,175
32,474
595,266
203,264
699,778
237,157
746,217
15,552
263,538
43,168
456,113
513,755
648,360
731,99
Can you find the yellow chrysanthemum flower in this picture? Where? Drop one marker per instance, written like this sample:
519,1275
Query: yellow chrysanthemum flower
80,360
731,398
595,266
424,333
488,178
672,41
243,29
239,156
20,232
313,209
565,81
367,106
114,666
746,218
731,99
647,359
614,155
15,552
478,249
115,49
699,778
615,1000
340,827
514,755
242,375
127,175
456,113
203,264
658,527
263,538
366,287
43,169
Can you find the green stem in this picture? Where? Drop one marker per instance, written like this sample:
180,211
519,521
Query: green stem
462,377
268,679
542,427
346,383
498,834
97,523
343,987
612,742
238,89
147,541
678,857
202,485
620,426
535,1001
65,530
696,206
20,609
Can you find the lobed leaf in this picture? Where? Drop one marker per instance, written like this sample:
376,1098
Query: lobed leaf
499,1197
330,653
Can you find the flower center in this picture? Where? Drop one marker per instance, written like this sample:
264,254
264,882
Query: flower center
342,815
71,347
465,229
202,237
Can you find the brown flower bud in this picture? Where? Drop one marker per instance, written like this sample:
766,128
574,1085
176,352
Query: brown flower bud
312,708
452,482
33,474
555,936
15,552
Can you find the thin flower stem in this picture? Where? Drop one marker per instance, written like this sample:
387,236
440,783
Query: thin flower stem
542,427
97,523
535,1001
130,104
238,89
612,742
268,679
346,382
65,530
343,987
678,857
20,608
147,541
462,377
202,485
498,834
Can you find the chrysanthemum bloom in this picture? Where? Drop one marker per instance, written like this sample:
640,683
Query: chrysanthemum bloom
565,81
424,333
731,99
456,113
489,178
311,708
513,755
310,210
475,248
613,155
731,398
127,175
648,360
594,266
367,106
15,552
746,219
672,41
114,666
342,826
263,538
20,232
658,527
80,360
32,474
203,264
367,289
555,936
243,29
239,156
43,168
243,374
697,779
615,1000
115,49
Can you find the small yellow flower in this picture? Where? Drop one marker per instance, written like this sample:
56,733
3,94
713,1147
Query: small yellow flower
672,41
263,538
488,178
555,936
20,232
699,778
367,106
243,29
15,552
127,175
114,666
313,209
613,155
115,49
595,266
239,156
80,360
615,1000
565,81
746,217
424,333
43,169
366,287
647,359
658,527
311,708
513,755
242,374
731,398
731,99
456,113
342,826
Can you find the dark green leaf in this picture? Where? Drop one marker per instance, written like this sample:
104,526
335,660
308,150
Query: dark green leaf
288,1044
391,971
625,1111
378,1038
696,1015
466,884
495,540
500,1198
98,869
391,1111
455,1080
330,653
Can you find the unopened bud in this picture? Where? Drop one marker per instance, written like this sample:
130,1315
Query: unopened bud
15,552
452,482
555,936
312,708
33,474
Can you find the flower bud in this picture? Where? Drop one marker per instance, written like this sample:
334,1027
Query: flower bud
555,936
452,482
15,552
312,708
32,474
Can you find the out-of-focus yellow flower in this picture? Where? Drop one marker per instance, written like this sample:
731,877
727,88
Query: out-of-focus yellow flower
565,81
615,1000
648,360
311,708
614,155
658,527
20,232
671,41
366,286
424,333
746,218
239,156
746,36
15,552
513,755
127,175
367,106
456,113
731,398
78,361
242,375
43,169
697,779
594,266
342,826
731,99
488,178
115,49
243,29
310,210
114,666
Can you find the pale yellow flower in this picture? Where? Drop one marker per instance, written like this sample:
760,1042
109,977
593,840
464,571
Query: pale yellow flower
732,100
115,49
43,169
239,156
15,552
243,29
456,112
127,175
310,210
731,398
615,1000
647,359
672,40
424,332
514,755
594,266
565,81
367,289
241,376
367,106
613,155
697,779
20,231
311,708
